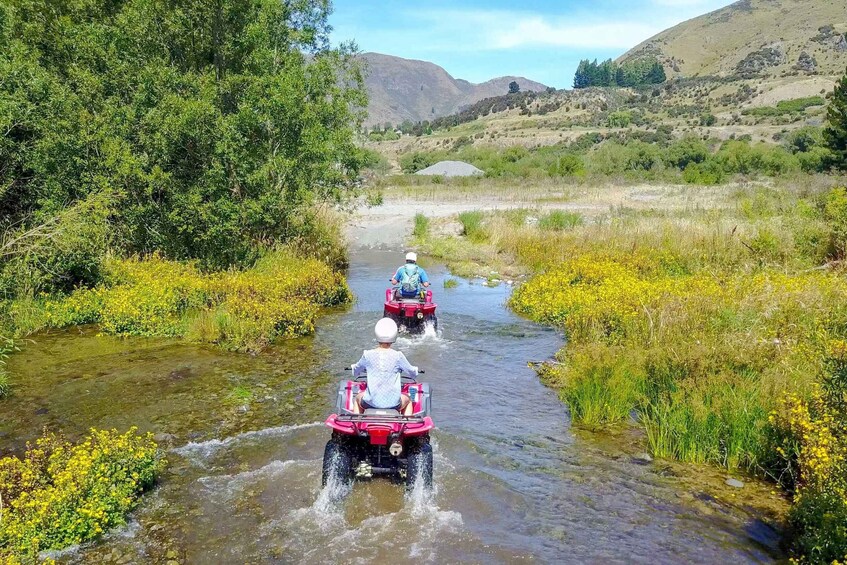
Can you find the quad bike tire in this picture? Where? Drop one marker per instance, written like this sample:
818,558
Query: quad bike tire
432,319
338,463
419,466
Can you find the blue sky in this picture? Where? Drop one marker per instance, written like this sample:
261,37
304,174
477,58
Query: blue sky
540,39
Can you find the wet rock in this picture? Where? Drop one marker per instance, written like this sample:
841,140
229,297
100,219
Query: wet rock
163,437
735,483
181,373
642,458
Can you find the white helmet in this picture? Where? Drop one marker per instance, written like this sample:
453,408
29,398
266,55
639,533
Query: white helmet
412,256
386,331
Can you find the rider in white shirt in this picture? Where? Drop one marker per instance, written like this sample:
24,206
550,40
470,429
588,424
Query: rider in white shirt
383,367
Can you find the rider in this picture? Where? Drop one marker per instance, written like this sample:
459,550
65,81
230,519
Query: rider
410,277
383,367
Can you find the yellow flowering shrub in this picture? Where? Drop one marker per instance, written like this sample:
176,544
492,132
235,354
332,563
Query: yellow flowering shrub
811,448
61,494
696,357
279,297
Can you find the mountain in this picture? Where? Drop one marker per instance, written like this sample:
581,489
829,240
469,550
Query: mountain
756,38
405,89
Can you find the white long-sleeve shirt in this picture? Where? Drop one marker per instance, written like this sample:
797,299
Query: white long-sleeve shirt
383,367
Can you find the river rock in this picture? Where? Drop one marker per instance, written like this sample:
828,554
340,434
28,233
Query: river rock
735,483
642,458
162,437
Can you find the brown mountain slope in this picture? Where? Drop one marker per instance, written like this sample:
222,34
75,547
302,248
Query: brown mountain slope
756,38
405,89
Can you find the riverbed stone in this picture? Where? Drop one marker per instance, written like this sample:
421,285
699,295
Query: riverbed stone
642,458
735,483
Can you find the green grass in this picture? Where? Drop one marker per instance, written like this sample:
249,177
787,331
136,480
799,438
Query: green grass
421,226
472,225
451,283
5,387
560,220
240,395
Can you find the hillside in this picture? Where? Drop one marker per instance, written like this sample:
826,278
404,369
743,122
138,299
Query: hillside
756,38
404,89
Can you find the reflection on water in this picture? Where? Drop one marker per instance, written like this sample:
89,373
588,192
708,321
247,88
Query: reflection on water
243,485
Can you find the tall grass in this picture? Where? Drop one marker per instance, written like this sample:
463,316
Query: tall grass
472,225
421,226
560,220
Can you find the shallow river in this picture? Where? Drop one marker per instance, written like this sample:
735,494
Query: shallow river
245,438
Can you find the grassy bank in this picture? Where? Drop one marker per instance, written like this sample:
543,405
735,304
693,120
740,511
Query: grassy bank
279,296
719,331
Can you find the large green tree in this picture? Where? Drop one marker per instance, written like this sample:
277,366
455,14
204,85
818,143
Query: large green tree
835,134
211,125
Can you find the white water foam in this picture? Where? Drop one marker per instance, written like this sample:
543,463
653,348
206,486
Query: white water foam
235,482
430,337
207,448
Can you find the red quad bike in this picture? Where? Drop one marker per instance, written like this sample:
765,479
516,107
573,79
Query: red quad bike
411,314
379,441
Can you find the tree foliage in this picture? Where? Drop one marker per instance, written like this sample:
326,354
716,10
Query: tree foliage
608,73
208,125
835,135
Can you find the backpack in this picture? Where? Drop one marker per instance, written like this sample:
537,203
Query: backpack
409,281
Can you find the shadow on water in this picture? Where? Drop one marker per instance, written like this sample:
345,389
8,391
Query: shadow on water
246,438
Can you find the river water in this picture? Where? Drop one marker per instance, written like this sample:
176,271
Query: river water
244,434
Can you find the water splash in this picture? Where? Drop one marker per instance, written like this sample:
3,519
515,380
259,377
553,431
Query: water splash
206,449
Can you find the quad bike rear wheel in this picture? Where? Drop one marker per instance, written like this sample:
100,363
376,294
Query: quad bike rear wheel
433,320
338,463
419,466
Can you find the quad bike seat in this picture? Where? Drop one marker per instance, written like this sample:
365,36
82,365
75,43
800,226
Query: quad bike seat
381,412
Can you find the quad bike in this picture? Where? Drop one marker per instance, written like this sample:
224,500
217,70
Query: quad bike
379,441
411,314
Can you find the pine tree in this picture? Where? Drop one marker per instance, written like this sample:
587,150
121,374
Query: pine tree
835,134
580,79
657,74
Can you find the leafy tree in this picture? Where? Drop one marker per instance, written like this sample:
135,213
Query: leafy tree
835,134
514,87
212,126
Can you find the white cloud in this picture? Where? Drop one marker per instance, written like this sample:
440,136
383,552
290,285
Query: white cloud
538,32
486,30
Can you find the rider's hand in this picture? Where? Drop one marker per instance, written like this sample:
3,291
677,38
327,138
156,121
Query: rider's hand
426,284
393,281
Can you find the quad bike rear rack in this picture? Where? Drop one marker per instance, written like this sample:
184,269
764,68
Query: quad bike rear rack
380,418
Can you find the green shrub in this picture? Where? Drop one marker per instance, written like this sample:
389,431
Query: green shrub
472,225
451,282
685,152
567,165
421,227
559,220
835,213
374,198
785,107
414,162
620,119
